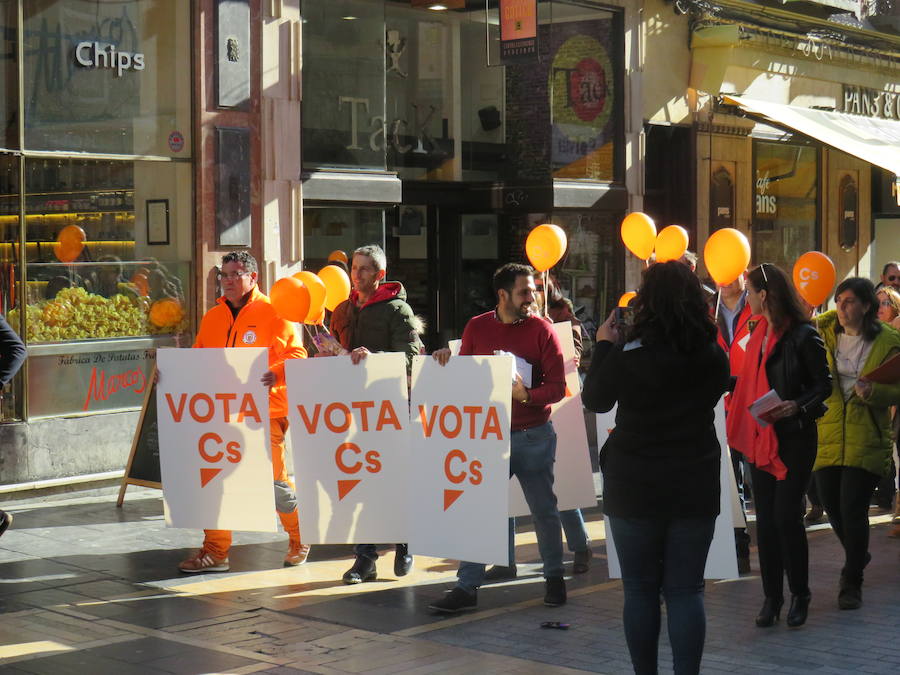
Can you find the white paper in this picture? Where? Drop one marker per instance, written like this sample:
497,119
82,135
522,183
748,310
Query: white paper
460,429
721,563
214,453
350,439
520,367
764,404
573,477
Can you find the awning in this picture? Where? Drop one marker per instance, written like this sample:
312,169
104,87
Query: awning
873,140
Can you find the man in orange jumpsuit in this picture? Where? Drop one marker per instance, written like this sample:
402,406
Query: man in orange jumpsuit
244,317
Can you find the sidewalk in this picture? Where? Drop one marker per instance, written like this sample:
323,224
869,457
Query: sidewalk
89,588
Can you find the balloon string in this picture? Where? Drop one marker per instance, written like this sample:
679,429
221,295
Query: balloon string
718,302
546,294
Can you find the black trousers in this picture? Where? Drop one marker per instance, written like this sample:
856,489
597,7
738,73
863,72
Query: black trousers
845,492
780,533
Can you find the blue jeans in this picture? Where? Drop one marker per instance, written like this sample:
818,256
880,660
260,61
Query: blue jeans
668,556
573,526
532,454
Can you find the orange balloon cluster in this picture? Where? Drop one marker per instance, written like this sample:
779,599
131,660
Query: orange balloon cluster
337,286
290,298
69,243
671,243
814,277
545,246
726,255
639,234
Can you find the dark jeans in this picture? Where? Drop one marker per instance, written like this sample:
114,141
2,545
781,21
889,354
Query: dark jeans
780,532
531,458
845,492
668,556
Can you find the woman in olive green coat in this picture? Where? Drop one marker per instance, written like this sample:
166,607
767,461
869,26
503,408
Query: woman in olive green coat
855,439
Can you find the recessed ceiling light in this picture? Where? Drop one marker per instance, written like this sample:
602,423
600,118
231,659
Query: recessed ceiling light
438,7
349,18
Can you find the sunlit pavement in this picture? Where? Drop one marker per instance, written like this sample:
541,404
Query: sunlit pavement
89,588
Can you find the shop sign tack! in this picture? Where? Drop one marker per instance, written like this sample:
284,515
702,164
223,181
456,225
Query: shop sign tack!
350,440
215,458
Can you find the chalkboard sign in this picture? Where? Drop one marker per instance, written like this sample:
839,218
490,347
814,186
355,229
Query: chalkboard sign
143,462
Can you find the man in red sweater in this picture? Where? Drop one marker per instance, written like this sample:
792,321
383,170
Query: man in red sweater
512,328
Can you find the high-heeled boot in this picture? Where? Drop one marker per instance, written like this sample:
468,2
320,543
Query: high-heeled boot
799,609
770,612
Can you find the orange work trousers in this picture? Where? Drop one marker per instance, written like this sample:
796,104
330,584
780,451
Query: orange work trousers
217,542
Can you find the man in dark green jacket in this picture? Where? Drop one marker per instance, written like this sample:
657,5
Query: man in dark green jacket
375,318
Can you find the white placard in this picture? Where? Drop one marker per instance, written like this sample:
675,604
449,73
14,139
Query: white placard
460,430
721,563
214,453
350,439
573,476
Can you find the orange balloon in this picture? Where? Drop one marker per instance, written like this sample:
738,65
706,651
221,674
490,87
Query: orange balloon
545,246
140,281
338,255
316,288
69,243
726,254
671,243
166,312
317,320
337,285
814,277
626,298
290,298
639,234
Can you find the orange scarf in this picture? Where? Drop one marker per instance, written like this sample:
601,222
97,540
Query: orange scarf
758,444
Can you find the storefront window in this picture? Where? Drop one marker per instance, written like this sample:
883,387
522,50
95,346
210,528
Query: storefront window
339,229
9,89
786,202
108,77
343,84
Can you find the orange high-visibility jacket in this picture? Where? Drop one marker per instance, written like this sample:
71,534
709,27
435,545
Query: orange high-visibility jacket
256,325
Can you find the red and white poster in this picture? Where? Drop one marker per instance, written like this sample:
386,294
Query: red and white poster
350,441
573,476
459,429
214,454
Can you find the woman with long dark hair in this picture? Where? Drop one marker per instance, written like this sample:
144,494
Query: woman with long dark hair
784,354
667,378
855,444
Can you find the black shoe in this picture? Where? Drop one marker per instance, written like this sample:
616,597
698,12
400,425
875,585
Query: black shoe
799,609
402,560
850,595
501,573
816,515
5,521
556,592
770,612
363,570
455,601
582,562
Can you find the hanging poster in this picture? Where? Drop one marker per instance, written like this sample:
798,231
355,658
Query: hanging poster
518,30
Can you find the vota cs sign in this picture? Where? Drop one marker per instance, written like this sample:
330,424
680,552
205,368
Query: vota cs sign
99,55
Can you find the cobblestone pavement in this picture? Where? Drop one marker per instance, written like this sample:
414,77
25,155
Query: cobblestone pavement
89,588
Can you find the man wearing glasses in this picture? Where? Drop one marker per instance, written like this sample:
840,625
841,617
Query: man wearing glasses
890,275
244,317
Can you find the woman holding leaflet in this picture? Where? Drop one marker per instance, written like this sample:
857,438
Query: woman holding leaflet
785,357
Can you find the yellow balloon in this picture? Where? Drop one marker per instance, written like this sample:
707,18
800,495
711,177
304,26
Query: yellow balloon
337,285
671,243
639,234
316,288
626,298
726,254
545,246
